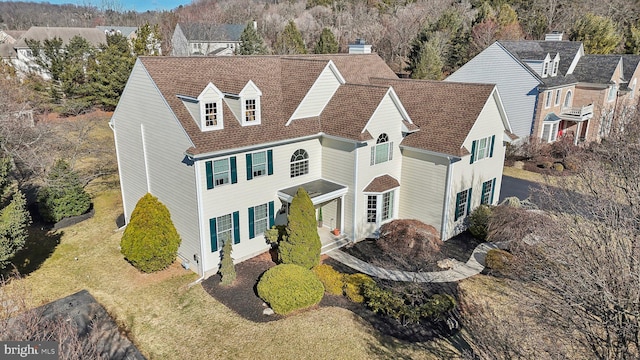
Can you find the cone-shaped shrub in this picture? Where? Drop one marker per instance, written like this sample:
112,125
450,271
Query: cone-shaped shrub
289,287
227,269
63,196
302,243
150,241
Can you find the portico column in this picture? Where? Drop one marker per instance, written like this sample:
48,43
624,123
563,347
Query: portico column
341,200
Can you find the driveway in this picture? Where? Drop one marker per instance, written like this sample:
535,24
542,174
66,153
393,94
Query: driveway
517,187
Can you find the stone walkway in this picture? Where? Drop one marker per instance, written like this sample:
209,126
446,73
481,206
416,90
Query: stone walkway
460,271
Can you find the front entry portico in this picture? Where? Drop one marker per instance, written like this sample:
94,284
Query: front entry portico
326,195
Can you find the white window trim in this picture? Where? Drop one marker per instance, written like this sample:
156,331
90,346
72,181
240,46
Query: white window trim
487,149
374,151
552,136
568,99
484,195
253,164
256,219
545,69
465,211
556,65
220,233
547,99
380,204
611,95
558,97
210,95
258,118
213,170
299,167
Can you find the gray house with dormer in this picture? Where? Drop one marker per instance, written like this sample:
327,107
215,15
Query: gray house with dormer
200,39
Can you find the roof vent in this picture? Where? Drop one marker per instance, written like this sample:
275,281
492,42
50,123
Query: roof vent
359,47
553,36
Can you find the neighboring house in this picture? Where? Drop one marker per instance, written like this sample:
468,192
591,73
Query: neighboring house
7,38
538,86
131,33
225,142
609,82
10,36
197,39
24,61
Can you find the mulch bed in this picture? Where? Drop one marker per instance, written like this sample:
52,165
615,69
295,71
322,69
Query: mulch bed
459,247
241,297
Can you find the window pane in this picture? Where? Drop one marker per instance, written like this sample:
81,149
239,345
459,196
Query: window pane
382,153
259,163
221,171
225,227
546,130
387,205
371,208
260,218
461,205
210,114
486,194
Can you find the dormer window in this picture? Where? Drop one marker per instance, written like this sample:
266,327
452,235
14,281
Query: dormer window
250,110
211,114
545,69
250,113
556,64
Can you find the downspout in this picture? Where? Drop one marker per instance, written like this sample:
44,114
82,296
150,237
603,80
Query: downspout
355,195
200,225
447,189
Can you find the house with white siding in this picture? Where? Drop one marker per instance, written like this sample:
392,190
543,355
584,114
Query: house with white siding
205,39
224,143
538,86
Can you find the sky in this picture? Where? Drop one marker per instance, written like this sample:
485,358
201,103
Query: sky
137,5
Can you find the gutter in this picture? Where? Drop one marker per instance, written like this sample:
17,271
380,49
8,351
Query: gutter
201,225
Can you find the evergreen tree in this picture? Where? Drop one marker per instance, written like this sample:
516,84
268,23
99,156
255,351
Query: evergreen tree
227,269
302,244
632,43
150,241
597,33
77,55
49,55
64,195
290,41
425,58
14,218
147,41
327,43
251,43
111,71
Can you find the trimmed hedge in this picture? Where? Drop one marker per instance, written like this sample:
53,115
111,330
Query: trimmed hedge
150,241
355,284
289,287
332,280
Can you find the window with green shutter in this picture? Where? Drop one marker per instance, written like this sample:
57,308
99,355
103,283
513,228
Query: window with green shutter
221,172
259,164
463,203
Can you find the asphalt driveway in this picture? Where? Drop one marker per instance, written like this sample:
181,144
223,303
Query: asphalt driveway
519,188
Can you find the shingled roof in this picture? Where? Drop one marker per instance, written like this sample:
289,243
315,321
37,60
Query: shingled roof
444,111
629,65
206,32
538,49
94,36
597,69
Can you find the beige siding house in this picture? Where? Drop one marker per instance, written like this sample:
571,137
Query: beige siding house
225,142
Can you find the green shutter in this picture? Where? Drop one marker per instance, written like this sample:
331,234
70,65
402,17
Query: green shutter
269,162
213,235
249,167
236,227
493,140
252,233
209,167
493,187
484,188
469,201
473,151
456,215
234,171
271,214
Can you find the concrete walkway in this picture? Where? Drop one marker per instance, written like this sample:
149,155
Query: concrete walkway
460,271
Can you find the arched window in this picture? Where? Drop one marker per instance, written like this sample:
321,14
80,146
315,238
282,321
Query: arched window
299,163
567,99
383,151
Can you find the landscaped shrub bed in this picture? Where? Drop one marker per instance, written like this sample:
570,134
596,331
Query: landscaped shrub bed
332,280
289,287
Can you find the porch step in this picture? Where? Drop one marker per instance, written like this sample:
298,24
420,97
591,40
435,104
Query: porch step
338,243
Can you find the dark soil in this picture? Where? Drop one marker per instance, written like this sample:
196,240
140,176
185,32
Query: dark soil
459,247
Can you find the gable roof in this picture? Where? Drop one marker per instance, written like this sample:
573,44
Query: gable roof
629,65
445,111
381,184
206,32
537,50
94,36
597,69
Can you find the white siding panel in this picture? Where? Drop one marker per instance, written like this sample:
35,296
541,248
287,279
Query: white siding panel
423,186
318,96
517,87
466,175
226,199
337,165
386,119
170,179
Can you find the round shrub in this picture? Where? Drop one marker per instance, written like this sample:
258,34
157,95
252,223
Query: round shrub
150,241
63,196
289,287
570,164
331,279
498,260
354,286
558,167
479,220
545,164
